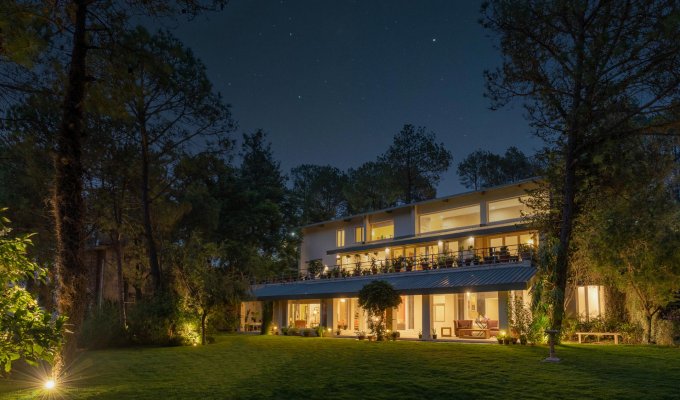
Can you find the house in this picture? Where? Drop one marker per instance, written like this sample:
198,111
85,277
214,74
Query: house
456,261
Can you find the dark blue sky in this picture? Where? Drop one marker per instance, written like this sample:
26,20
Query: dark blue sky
331,82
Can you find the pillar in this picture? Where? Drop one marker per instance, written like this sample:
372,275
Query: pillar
283,315
503,311
330,313
427,320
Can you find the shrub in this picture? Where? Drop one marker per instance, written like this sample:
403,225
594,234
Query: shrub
292,331
320,331
156,321
306,332
102,329
284,330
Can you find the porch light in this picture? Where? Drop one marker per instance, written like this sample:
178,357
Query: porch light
329,329
387,250
342,300
337,256
440,243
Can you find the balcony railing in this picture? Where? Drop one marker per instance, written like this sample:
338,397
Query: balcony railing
464,258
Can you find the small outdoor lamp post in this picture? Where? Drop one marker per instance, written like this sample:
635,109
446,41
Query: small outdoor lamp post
551,341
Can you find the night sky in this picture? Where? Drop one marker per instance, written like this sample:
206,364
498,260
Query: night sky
331,82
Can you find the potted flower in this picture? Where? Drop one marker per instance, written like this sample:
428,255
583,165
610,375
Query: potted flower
501,338
361,335
374,266
434,334
420,334
441,261
424,264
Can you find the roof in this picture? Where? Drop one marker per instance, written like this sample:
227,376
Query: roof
452,280
403,206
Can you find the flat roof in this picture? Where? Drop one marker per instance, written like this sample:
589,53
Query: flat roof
516,276
403,206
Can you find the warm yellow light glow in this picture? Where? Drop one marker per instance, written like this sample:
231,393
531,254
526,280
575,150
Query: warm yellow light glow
337,257
195,344
530,241
471,238
440,243
329,329
502,333
50,384
342,300
387,250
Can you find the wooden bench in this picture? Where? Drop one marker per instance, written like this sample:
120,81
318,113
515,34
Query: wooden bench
599,335
469,333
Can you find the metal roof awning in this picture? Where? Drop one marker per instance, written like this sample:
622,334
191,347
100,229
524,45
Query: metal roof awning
453,280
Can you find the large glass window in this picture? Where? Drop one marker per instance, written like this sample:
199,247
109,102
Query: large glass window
340,238
359,234
382,230
450,219
507,209
590,301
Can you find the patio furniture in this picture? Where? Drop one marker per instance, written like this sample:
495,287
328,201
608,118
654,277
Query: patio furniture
300,323
461,324
599,335
492,326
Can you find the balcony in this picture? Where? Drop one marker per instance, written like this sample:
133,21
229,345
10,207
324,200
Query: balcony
493,256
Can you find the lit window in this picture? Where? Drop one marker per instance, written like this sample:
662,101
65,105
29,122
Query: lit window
590,302
507,209
450,219
359,234
382,230
340,238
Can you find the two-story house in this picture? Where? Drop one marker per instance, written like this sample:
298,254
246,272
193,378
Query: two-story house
453,259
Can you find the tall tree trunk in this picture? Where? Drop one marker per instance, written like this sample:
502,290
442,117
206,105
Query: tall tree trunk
154,265
73,276
122,312
204,317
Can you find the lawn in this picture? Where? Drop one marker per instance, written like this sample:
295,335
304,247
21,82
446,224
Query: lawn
259,367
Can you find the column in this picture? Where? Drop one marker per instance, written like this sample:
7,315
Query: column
330,313
427,320
283,321
503,311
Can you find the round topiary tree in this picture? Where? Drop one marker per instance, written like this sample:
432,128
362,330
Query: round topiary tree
376,297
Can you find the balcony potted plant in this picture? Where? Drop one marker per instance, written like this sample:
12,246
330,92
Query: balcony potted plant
441,261
357,269
314,267
374,266
449,260
409,264
424,263
398,263
525,251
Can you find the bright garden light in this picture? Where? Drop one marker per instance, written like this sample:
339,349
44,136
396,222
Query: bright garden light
50,384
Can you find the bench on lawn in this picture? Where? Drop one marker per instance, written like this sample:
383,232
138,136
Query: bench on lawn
599,335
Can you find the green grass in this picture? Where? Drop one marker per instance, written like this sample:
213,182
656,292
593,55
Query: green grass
259,367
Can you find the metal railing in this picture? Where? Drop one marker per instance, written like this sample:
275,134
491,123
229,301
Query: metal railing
374,266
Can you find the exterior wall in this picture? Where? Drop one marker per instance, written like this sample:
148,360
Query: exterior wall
317,241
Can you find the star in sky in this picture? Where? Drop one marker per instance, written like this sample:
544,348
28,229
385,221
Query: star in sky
434,40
